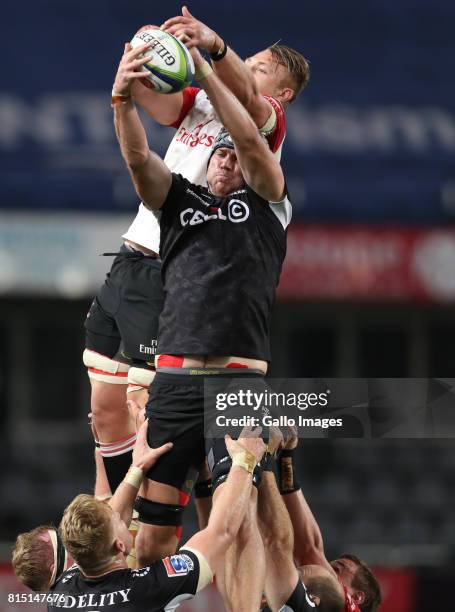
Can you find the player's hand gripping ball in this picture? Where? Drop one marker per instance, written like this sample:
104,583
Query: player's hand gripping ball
171,67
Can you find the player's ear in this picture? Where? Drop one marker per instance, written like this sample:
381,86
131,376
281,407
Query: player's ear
358,597
119,546
286,95
315,599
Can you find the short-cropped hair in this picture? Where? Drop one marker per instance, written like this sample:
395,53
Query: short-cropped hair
87,533
328,589
32,559
295,63
364,580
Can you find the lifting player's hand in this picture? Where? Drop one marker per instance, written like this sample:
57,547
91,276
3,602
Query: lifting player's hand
136,413
129,68
193,32
249,440
291,438
276,440
145,457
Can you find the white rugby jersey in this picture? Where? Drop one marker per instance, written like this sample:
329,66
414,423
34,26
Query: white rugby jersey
188,154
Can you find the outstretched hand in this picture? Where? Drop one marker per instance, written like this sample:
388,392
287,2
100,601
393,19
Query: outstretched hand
291,438
145,457
129,68
192,32
275,439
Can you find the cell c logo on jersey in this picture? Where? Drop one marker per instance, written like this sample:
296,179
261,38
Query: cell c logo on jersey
238,211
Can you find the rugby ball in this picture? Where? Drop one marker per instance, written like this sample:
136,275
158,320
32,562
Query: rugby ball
171,67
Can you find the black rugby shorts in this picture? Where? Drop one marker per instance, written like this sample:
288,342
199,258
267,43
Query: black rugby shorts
175,410
122,322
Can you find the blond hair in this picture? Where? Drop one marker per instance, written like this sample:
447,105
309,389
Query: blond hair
32,558
295,63
87,532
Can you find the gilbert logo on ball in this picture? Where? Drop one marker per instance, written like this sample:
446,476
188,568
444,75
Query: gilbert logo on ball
171,68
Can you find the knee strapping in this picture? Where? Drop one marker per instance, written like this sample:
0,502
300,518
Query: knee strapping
104,368
155,513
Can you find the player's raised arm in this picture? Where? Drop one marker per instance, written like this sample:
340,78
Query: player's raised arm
260,168
308,542
144,458
277,535
151,177
234,73
230,502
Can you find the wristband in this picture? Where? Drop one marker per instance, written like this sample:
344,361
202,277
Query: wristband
115,94
203,489
134,477
218,55
244,459
203,71
287,476
117,98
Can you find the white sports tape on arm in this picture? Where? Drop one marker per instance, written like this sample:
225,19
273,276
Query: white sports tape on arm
134,476
270,124
205,573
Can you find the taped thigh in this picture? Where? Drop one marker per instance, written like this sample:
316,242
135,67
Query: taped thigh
105,369
139,379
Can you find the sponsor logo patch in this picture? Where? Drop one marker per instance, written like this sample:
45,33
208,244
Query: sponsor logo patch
237,212
176,565
188,560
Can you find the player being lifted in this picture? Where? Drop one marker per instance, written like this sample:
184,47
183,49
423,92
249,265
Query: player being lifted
222,249
123,320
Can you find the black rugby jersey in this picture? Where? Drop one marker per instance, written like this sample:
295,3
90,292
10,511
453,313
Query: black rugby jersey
222,259
160,587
